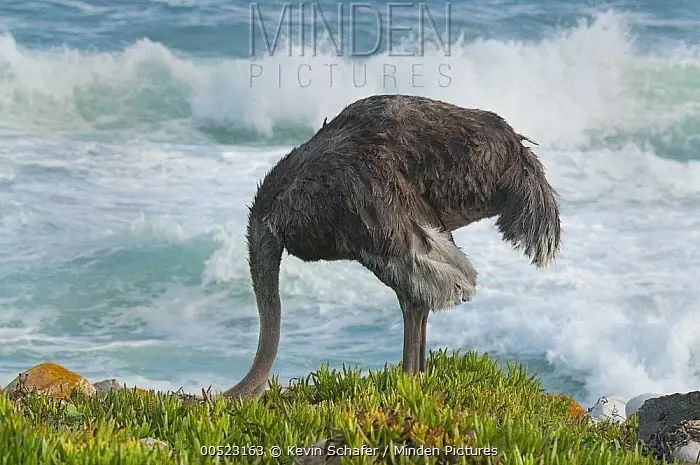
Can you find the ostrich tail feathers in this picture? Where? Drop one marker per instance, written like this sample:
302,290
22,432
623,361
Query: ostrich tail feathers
529,214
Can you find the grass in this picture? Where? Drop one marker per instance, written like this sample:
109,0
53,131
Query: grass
463,400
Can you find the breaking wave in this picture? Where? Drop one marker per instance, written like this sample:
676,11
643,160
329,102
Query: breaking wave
557,90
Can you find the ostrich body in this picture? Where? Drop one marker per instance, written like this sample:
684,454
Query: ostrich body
384,183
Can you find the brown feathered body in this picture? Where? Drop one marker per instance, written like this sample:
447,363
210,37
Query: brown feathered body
384,183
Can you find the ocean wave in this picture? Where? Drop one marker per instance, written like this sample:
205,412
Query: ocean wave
119,250
159,226
629,173
580,86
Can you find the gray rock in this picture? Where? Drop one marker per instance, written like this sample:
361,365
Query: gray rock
107,386
154,443
662,413
688,453
635,403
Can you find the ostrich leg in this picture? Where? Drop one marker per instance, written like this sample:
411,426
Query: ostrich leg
411,340
423,335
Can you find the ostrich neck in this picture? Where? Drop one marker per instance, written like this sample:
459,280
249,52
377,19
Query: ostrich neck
265,255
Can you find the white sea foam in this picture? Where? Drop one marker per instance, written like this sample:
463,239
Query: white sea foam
627,173
618,305
161,226
228,262
556,90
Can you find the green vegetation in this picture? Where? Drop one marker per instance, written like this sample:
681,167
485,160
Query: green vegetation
463,400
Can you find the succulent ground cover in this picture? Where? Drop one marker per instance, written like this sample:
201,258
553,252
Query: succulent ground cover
464,402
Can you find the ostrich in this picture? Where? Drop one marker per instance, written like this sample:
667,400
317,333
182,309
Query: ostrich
384,183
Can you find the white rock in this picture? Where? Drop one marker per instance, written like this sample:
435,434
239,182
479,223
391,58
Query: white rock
608,408
635,403
689,453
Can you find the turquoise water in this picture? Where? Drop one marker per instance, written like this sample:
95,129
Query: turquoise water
132,142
